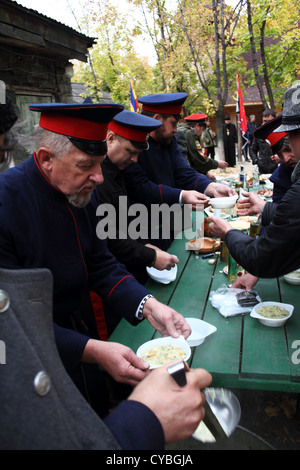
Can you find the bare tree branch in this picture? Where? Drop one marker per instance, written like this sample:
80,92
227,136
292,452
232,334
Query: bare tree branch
254,56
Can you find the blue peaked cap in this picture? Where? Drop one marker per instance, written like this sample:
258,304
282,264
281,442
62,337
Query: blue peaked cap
134,127
164,103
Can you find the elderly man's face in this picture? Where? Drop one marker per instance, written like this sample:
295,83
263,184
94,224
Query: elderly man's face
76,175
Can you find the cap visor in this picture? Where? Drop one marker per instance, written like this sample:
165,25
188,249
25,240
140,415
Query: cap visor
287,128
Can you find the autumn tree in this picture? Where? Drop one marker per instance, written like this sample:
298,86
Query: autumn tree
270,31
114,59
209,28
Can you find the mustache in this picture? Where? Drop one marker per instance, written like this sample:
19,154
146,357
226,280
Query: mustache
86,186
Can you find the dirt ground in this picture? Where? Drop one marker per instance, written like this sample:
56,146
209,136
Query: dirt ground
268,422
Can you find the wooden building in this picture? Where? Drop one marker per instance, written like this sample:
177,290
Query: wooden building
35,58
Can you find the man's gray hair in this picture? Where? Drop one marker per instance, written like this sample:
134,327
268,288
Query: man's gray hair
59,144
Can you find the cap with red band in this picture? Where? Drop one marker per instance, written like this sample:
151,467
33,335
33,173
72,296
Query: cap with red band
165,103
133,126
84,124
267,133
197,117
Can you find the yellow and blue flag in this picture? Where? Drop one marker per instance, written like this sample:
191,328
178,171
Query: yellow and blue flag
134,106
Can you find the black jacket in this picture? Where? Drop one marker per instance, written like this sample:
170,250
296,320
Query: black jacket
276,252
261,153
133,253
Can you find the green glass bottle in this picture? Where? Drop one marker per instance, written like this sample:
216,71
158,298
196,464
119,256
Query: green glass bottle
233,269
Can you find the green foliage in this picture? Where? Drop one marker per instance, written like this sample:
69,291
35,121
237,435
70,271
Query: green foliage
282,42
185,47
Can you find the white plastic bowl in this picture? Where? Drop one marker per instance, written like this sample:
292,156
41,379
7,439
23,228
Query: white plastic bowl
165,276
223,202
273,322
292,279
180,342
200,330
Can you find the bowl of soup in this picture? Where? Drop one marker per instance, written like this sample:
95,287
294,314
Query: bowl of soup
293,277
161,351
223,202
272,314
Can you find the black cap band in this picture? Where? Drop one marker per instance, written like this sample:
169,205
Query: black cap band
140,145
92,147
291,120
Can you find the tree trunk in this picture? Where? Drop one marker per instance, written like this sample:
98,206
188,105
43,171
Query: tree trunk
219,125
264,64
254,57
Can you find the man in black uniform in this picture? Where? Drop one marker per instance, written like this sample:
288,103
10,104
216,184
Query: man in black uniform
126,137
230,138
260,151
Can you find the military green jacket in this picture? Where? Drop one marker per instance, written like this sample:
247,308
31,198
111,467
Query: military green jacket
196,156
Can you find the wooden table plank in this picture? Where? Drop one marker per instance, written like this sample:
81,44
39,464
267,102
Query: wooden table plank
189,297
220,351
132,336
264,352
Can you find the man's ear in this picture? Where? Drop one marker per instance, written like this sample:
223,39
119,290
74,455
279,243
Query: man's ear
44,157
158,116
110,136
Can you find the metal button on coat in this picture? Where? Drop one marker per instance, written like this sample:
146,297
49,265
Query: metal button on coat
42,383
4,301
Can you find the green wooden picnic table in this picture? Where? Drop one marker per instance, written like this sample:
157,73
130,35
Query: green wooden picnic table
242,353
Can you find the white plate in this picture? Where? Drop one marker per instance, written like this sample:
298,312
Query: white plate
180,342
164,277
223,202
242,223
200,331
291,279
273,322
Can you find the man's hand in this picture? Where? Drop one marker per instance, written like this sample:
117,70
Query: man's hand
118,360
222,164
166,320
194,198
163,259
219,190
179,409
210,175
247,282
218,227
251,204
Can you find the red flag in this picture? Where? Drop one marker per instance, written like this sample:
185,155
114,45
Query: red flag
241,107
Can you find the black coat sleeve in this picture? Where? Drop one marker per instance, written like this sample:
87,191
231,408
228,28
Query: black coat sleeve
276,251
